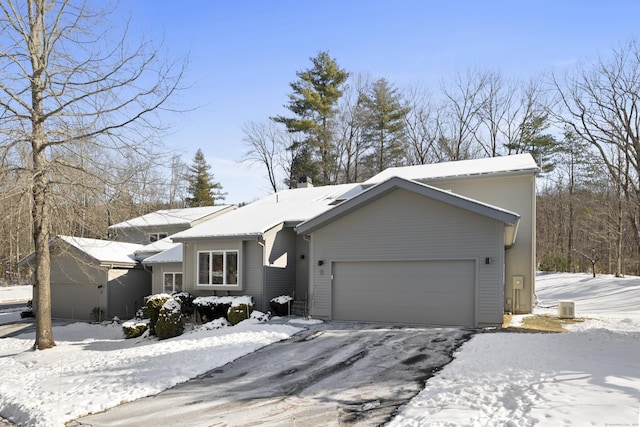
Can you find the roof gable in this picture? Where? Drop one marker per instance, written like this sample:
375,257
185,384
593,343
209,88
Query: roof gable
395,183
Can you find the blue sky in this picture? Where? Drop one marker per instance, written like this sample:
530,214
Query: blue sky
243,54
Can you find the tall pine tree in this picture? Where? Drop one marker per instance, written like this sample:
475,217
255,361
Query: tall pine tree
384,126
314,103
203,190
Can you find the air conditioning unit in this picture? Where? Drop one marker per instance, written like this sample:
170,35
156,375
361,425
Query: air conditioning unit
566,309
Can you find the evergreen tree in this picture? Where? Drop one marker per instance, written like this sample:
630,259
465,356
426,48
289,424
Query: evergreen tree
313,102
385,113
203,190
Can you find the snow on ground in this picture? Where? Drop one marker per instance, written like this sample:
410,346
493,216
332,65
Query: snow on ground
93,367
590,376
16,293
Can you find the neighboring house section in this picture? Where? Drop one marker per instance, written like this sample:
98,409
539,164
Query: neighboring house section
160,224
94,279
254,250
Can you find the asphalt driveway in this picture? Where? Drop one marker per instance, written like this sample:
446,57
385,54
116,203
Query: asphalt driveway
330,374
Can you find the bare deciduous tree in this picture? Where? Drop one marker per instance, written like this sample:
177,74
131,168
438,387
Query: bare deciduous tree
67,82
266,145
600,103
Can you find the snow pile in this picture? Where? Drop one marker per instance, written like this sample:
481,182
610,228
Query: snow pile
590,376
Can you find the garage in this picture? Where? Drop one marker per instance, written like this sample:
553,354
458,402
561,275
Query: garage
437,292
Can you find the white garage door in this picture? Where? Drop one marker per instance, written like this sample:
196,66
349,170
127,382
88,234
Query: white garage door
424,292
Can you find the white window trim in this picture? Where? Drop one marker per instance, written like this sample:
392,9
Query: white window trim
173,273
219,286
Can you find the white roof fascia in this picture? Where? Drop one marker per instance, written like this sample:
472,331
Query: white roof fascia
503,165
379,190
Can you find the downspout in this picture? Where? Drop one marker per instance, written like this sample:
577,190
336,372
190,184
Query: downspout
260,241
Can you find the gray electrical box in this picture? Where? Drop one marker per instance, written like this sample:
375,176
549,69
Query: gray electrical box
517,282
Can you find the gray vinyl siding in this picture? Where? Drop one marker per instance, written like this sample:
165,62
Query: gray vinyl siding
72,266
303,256
126,289
280,246
514,192
251,271
405,226
75,301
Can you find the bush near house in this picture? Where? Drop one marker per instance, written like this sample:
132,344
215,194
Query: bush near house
186,303
170,320
211,308
151,309
135,328
240,310
280,305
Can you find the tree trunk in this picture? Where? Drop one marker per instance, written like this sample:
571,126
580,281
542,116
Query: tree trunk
40,210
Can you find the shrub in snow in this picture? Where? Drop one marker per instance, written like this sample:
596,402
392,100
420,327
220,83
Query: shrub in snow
186,302
260,316
151,309
239,312
280,305
170,320
135,328
211,308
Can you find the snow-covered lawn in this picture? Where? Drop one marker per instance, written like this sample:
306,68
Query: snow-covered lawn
590,376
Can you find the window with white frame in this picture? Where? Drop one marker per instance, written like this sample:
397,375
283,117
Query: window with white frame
218,268
154,237
172,282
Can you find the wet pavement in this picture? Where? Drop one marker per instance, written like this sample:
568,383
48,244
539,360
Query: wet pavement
334,373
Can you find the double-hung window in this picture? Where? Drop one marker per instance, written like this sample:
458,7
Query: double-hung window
172,282
218,268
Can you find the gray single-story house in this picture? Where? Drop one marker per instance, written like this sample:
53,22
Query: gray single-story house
444,244
95,279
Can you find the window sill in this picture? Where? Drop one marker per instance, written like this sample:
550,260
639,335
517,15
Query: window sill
220,287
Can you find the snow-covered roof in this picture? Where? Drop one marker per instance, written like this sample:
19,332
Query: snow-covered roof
104,251
293,206
507,217
173,254
172,217
493,165
156,247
